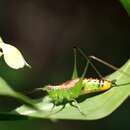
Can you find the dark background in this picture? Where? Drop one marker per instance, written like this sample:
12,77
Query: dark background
46,31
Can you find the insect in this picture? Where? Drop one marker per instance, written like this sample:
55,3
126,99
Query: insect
69,91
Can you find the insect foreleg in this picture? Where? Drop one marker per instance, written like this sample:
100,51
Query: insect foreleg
52,107
76,104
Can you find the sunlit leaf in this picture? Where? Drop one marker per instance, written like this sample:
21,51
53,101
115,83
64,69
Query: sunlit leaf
94,107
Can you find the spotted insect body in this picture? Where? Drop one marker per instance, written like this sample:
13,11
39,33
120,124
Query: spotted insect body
66,91
96,85
77,86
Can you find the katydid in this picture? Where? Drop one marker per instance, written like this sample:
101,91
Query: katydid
69,91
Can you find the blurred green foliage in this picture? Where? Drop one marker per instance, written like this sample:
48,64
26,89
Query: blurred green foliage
126,4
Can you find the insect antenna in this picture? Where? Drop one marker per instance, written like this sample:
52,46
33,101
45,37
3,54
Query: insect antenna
88,59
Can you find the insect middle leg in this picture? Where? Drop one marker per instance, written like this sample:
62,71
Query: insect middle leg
51,111
74,103
88,59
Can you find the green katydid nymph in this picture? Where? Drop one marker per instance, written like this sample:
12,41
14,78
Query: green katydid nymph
70,90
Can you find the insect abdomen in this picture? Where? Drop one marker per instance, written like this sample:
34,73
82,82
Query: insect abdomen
95,85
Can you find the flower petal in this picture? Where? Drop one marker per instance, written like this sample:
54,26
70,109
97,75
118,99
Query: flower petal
13,56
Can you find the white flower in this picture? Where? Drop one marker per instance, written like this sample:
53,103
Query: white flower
12,56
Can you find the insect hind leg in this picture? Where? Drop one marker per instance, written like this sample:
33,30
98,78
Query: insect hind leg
88,59
104,62
109,65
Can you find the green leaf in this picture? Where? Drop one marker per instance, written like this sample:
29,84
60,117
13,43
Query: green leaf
95,107
6,116
6,90
126,5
